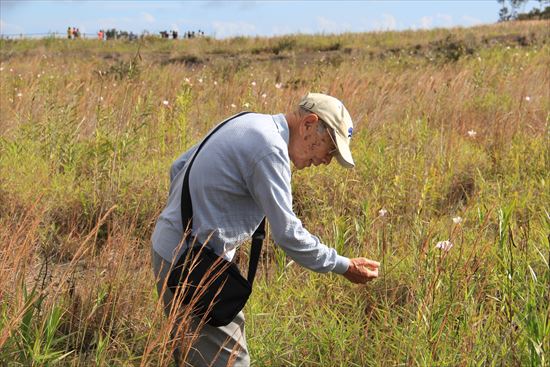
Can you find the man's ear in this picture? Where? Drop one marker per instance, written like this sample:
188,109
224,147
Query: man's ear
310,121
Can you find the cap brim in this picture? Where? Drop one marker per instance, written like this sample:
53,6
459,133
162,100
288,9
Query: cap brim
344,153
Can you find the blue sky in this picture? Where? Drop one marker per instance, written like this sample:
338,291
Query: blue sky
223,19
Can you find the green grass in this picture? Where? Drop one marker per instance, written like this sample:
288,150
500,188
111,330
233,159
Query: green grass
446,127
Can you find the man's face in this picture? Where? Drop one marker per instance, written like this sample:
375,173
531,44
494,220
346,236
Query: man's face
313,145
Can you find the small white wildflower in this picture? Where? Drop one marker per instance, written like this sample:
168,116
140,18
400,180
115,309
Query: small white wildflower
187,80
233,105
101,98
38,75
165,102
253,84
507,47
382,212
19,95
444,245
11,99
457,220
471,133
527,98
264,95
278,85
114,84
1,69
246,105
200,80
11,70
479,59
215,82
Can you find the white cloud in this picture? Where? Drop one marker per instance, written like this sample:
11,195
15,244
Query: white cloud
444,20
326,25
426,22
135,24
8,28
106,23
330,26
230,29
305,30
190,22
148,18
279,30
387,23
439,20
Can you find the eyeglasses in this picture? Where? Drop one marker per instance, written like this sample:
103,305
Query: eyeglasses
330,132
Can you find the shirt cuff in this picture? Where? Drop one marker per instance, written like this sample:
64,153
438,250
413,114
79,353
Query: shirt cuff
342,265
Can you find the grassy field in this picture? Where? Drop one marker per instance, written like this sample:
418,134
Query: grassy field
452,144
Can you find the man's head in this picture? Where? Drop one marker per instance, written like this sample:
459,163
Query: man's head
320,129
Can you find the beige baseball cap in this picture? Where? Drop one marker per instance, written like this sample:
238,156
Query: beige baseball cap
336,116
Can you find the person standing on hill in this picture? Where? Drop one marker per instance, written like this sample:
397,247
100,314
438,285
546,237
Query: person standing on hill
242,174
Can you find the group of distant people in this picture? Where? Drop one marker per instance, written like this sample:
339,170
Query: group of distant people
73,32
108,34
188,34
103,35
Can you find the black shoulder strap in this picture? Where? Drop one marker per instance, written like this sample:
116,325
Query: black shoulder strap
255,251
187,209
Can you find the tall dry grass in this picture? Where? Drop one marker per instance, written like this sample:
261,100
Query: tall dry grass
449,124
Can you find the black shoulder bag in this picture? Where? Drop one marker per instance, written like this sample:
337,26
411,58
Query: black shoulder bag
213,286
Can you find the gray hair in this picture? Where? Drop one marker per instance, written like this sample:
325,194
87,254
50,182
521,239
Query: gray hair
322,127
301,111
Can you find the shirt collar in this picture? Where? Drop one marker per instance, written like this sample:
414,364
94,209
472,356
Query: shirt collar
282,126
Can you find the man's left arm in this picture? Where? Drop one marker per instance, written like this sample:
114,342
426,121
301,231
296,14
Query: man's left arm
269,184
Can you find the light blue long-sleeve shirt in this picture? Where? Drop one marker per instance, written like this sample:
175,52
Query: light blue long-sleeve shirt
240,175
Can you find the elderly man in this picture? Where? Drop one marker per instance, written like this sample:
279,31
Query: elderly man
240,175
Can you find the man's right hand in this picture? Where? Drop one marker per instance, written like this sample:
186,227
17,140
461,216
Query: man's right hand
362,270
